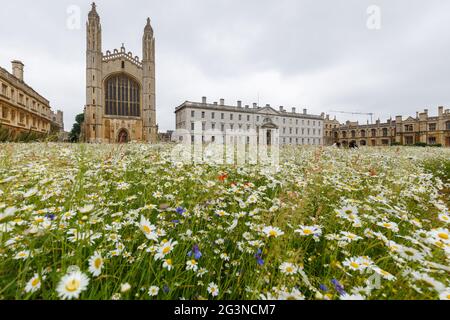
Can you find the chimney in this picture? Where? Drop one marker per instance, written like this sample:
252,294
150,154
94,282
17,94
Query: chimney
417,115
305,111
222,102
204,100
281,108
440,111
425,111
17,69
239,104
293,110
246,106
215,103
254,105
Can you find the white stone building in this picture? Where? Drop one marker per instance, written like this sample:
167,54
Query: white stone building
294,128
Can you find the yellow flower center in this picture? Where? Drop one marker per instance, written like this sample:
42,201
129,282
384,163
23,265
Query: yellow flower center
72,285
146,229
443,235
354,265
98,263
307,231
272,233
35,282
166,250
289,269
169,262
193,262
448,296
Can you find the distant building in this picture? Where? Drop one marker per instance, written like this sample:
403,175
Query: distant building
165,136
22,109
295,128
432,130
58,119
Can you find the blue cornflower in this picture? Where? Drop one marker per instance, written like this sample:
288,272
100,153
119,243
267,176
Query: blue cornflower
196,252
323,287
50,216
258,257
180,210
338,286
166,288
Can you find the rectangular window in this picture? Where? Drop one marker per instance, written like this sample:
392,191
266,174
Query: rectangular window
231,116
192,114
248,118
222,116
240,117
432,127
203,114
213,115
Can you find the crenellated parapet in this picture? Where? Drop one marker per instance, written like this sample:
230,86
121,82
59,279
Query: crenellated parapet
122,54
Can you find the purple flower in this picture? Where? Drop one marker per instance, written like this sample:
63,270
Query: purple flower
323,287
338,286
196,252
175,221
50,216
180,210
166,288
258,257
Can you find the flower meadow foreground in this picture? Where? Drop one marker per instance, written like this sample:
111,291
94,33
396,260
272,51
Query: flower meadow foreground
126,222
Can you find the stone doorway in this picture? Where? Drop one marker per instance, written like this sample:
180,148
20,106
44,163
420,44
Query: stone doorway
123,136
269,137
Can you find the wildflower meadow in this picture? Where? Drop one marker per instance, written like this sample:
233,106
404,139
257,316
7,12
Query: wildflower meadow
128,222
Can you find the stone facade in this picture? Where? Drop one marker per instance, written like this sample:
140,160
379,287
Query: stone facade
22,109
432,130
120,89
294,128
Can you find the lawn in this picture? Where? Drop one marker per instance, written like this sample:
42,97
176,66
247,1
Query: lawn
126,222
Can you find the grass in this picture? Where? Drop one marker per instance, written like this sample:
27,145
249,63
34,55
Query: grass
383,209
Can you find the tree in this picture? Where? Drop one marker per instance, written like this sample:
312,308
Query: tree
74,134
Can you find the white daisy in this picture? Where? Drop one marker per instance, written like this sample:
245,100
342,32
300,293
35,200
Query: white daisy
192,265
288,268
24,254
125,287
34,284
72,284
272,232
168,264
213,289
445,295
315,231
153,291
148,229
96,264
165,248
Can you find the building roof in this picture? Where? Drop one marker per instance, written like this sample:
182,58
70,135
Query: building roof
10,78
254,110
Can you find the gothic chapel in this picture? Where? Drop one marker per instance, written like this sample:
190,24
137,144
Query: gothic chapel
120,89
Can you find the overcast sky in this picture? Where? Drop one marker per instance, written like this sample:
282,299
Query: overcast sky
314,54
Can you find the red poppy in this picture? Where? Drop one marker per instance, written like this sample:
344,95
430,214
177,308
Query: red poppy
223,177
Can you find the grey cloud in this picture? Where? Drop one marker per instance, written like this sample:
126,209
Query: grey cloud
313,53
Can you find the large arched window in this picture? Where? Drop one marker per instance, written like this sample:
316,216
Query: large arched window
122,96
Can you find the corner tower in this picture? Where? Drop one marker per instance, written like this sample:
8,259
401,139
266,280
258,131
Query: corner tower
93,110
148,84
